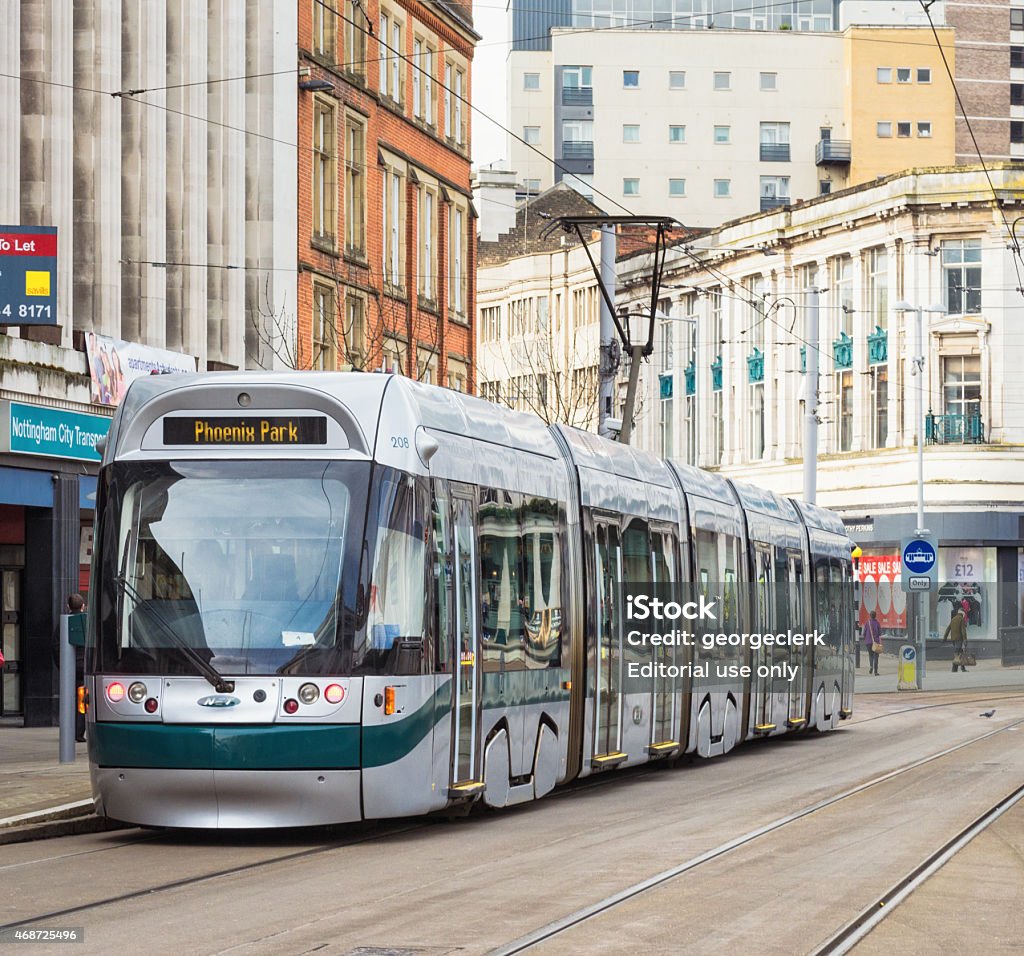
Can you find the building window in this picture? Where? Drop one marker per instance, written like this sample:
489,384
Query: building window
903,129
355,329
630,78
903,74
961,385
961,263
577,79
844,411
769,82
1017,94
842,280
717,428
355,186
382,40
756,437
325,328
426,366
878,287
458,375
774,142
397,61
666,426
427,230
924,75
1016,57
824,187
459,136
531,186
677,187
324,170
722,81
1017,131
456,259
884,74
775,188
355,38
324,36
630,133
722,134
677,79
879,382
393,356
531,81
490,323
1017,18
391,222
531,135
677,134
630,187
883,128
924,130
428,86
723,188
417,81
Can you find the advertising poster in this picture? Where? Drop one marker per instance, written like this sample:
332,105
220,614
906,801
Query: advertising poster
115,364
881,591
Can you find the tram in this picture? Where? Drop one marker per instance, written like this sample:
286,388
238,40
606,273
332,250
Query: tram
325,597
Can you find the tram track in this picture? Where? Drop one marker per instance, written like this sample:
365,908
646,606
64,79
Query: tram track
864,922
561,926
377,832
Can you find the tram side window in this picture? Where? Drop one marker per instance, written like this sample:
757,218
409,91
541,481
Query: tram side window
542,537
501,599
636,553
664,551
397,611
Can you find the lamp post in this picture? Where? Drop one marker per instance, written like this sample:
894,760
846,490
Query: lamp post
918,367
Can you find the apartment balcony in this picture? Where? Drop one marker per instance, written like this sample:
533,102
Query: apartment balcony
577,96
578,149
954,429
775,152
832,152
774,202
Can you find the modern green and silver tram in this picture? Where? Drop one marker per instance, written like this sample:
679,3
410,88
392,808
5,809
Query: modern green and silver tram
321,598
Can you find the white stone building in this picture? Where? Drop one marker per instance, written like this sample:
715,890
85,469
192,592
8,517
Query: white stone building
734,400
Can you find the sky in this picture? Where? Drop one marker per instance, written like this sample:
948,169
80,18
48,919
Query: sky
490,20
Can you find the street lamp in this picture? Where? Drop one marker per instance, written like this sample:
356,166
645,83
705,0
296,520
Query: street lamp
918,369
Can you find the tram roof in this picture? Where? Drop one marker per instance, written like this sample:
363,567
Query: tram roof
367,396
601,454
822,519
766,502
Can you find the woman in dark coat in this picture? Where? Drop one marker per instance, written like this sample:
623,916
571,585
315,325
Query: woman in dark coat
956,631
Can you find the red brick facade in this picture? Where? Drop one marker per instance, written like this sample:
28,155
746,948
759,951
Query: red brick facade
411,313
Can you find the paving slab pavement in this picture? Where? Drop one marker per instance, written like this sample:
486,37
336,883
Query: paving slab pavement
32,779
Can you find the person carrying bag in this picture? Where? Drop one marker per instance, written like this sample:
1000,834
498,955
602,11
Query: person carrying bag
873,642
956,631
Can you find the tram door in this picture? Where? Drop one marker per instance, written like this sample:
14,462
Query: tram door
664,720
762,658
801,656
465,704
608,666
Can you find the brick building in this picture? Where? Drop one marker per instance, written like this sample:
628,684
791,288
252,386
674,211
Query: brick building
385,257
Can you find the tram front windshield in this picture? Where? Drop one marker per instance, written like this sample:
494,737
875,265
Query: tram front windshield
242,566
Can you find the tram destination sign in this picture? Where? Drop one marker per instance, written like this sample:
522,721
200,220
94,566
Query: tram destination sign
28,275
229,430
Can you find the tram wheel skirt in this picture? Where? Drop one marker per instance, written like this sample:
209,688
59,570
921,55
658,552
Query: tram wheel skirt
227,799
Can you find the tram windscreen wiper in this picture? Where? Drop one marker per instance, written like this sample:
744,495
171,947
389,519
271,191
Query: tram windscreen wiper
205,668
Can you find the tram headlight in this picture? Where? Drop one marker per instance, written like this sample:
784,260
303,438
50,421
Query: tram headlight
137,692
309,693
334,693
115,692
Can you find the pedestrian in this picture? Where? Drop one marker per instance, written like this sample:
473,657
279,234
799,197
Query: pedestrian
873,642
76,605
956,631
